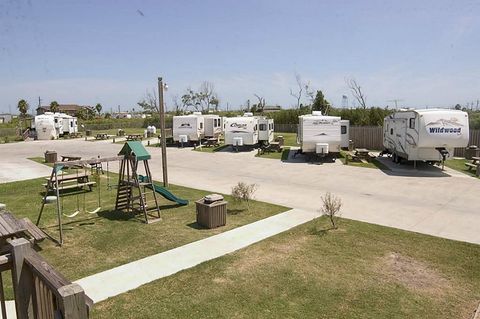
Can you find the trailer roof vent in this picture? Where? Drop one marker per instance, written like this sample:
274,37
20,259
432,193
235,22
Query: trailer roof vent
248,114
197,113
317,113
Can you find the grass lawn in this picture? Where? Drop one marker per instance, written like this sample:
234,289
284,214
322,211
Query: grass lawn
290,139
283,155
458,164
97,242
358,271
211,149
372,164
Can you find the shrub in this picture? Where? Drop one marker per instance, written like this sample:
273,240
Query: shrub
331,207
242,192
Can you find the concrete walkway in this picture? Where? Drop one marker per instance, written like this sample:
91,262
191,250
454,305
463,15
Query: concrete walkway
132,275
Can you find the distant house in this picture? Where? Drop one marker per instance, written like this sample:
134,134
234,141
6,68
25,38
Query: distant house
271,108
6,118
70,109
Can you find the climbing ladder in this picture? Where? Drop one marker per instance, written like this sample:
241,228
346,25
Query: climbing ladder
132,194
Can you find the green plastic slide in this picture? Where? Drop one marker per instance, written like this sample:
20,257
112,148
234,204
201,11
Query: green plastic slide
165,193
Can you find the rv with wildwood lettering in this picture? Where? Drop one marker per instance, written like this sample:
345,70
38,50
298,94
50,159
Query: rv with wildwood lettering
424,135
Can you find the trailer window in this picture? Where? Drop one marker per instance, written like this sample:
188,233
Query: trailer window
71,124
263,127
344,129
412,123
391,131
56,120
201,125
255,128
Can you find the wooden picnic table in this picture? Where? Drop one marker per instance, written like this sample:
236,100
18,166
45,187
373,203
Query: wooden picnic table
101,136
76,134
134,137
474,164
11,227
68,158
211,141
68,181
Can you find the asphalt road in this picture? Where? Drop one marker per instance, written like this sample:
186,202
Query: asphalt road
429,201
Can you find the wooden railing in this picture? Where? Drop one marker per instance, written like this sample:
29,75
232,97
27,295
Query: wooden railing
39,290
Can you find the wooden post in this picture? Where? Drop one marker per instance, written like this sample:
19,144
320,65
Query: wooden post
22,279
72,302
163,137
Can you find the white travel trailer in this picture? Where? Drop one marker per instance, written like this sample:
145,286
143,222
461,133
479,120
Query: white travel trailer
45,127
188,128
321,134
213,126
248,130
69,123
241,130
425,135
266,129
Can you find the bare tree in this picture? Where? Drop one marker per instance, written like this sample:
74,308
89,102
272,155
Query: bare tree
297,94
149,103
261,103
178,104
309,92
331,207
357,93
207,96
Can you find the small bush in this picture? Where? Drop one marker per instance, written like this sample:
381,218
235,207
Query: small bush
242,192
331,208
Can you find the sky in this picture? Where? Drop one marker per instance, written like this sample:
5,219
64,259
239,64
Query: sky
423,53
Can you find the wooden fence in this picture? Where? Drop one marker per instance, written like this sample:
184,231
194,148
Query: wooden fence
40,291
371,137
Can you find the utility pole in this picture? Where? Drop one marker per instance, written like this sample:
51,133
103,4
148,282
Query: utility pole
163,137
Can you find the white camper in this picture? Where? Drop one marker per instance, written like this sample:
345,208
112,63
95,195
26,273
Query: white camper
321,134
213,126
188,128
266,129
425,134
241,130
69,123
45,127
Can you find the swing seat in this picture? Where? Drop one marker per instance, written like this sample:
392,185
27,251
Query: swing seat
50,199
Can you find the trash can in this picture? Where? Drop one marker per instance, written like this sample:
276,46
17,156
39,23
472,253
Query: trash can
88,133
50,157
211,211
472,151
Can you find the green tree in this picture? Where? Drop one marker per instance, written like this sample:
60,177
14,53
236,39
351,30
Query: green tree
98,107
23,107
320,103
54,107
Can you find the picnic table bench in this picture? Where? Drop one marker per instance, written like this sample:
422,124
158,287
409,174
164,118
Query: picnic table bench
474,164
134,137
101,136
69,181
76,134
211,142
10,227
360,154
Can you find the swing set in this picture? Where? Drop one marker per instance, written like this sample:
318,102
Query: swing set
133,189
59,183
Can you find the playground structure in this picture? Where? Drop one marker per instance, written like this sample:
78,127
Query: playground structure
136,193
131,191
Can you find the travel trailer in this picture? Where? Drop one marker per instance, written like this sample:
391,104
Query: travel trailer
321,135
425,134
213,126
45,127
265,130
69,123
248,130
61,123
188,128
